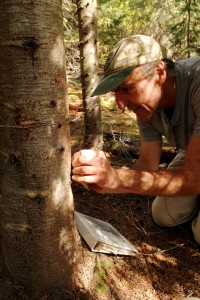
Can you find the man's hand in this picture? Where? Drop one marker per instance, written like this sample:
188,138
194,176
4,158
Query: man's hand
91,167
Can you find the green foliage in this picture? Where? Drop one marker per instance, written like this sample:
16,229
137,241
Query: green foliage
172,22
124,18
71,39
184,27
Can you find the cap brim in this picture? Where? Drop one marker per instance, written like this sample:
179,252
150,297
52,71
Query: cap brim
111,81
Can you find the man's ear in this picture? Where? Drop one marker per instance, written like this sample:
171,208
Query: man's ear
161,72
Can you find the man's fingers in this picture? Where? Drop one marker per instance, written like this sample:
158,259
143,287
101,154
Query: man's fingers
84,179
84,170
86,157
89,167
83,157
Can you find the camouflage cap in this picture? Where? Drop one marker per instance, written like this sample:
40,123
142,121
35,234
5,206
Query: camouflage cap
128,53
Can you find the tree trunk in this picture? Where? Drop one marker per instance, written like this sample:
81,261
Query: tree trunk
93,136
39,240
188,27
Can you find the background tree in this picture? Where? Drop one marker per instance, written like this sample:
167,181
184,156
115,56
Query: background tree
174,23
71,41
184,27
38,237
127,18
89,72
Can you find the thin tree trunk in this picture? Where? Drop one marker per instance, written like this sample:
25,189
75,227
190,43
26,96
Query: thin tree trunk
93,136
188,27
39,240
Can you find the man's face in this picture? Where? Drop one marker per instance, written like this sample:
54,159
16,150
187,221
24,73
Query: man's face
140,94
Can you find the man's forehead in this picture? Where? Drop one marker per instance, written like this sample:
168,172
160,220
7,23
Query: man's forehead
131,81
135,76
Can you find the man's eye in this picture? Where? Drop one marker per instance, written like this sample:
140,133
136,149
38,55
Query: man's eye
123,90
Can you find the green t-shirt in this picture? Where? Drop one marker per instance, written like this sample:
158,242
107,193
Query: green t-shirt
185,120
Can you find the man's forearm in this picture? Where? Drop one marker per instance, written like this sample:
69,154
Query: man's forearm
159,183
92,167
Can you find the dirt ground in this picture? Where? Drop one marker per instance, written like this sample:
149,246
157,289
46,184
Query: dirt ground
167,264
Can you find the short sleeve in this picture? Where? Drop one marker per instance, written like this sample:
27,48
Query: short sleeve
148,133
195,101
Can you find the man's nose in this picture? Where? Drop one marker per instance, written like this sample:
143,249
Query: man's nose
121,103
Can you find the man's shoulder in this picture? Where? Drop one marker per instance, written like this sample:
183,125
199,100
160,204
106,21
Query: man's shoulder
187,71
188,63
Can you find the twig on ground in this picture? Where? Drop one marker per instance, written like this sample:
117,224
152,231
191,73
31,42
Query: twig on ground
162,251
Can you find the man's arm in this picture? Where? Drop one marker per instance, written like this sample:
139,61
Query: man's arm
92,167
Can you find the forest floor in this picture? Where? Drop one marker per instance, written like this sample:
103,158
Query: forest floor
167,264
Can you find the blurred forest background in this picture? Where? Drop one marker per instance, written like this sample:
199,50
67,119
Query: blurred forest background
173,23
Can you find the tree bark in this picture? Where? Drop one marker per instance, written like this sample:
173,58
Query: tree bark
188,27
39,240
93,136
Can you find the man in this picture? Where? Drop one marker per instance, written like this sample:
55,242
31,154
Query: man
165,96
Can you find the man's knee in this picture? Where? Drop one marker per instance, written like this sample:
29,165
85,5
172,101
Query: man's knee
160,213
196,229
172,211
